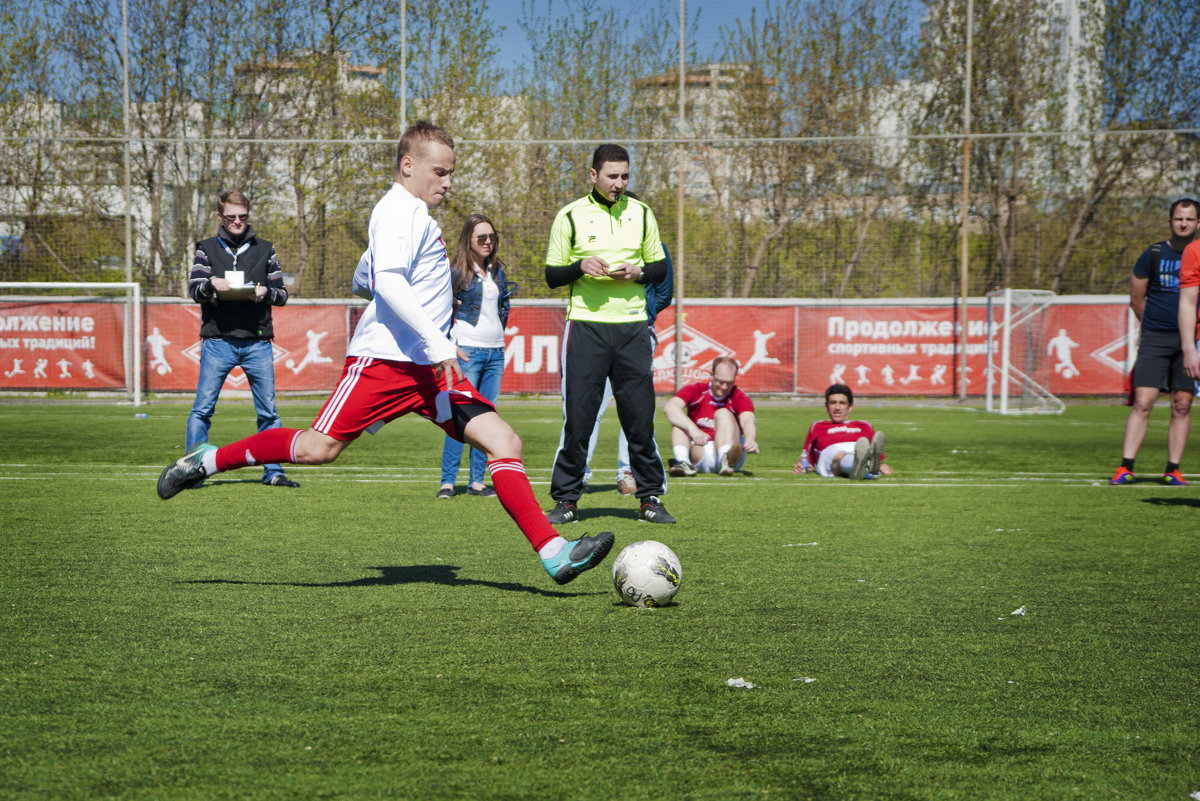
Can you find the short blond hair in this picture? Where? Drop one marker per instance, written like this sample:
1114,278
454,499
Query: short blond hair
419,133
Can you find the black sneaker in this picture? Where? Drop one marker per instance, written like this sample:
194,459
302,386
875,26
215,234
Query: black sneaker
679,469
578,556
280,480
563,512
185,473
653,511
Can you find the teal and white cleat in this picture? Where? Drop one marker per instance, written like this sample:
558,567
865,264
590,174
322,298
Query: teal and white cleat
185,473
578,556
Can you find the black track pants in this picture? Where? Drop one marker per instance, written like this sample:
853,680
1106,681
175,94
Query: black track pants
621,353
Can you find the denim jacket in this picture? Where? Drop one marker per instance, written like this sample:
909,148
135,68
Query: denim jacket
471,298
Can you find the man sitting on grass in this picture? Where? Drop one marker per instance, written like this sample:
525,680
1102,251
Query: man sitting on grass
840,446
712,424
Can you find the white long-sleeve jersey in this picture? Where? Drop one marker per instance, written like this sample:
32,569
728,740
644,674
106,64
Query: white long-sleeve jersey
407,271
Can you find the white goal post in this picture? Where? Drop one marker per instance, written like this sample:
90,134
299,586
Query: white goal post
1019,373
72,337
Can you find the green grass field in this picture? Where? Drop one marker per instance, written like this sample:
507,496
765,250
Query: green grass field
356,638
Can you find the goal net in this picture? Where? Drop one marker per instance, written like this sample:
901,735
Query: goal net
71,339
1018,360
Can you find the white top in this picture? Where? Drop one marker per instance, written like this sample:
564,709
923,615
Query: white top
487,331
408,273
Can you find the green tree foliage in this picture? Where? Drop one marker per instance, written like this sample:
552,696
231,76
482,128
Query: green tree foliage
1078,96
811,84
796,174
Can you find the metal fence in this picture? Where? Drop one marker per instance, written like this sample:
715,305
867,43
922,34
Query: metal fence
840,170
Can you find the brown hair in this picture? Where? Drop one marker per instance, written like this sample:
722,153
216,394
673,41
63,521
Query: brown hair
1185,200
231,196
462,266
606,153
421,132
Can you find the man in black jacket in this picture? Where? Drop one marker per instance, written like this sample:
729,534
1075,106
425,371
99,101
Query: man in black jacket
236,279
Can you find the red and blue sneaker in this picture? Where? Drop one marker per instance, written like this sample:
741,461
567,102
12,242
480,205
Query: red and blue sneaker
1123,476
1174,478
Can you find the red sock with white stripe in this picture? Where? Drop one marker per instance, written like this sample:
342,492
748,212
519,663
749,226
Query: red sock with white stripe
516,496
272,446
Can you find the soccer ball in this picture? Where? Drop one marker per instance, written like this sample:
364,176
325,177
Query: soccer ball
647,573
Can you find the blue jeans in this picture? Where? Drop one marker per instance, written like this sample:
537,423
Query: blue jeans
484,368
217,358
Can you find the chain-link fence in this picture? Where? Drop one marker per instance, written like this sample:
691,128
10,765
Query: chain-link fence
831,167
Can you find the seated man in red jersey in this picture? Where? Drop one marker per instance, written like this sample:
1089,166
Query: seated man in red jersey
712,424
840,446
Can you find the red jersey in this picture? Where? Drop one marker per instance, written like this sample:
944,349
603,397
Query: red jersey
1189,271
824,433
702,406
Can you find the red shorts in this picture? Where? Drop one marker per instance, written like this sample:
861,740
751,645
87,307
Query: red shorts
373,391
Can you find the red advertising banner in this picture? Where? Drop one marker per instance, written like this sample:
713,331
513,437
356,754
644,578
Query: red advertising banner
761,338
911,350
533,350
1087,347
1078,346
62,346
885,350
309,348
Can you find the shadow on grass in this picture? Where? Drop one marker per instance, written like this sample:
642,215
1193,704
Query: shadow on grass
1193,502
406,574
208,483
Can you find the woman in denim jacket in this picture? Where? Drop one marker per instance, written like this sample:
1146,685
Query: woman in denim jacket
481,304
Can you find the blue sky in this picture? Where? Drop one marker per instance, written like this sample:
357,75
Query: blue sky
713,14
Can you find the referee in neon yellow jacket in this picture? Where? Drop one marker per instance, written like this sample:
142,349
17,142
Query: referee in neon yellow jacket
605,246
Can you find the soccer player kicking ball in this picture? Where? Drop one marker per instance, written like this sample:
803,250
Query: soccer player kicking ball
401,360
840,446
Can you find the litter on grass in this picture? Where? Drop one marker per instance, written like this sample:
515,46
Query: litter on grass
1195,795
740,682
805,679
1020,610
798,544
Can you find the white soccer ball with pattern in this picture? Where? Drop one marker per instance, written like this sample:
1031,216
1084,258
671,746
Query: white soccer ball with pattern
647,573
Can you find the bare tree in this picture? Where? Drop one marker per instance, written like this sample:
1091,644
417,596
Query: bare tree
1073,85
823,72
1138,88
30,153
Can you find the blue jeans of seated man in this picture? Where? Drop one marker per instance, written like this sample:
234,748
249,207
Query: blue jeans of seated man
484,368
217,358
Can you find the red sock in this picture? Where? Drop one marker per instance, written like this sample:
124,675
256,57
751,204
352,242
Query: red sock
516,496
266,447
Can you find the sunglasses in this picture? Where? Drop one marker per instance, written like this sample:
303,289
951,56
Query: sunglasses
483,239
236,217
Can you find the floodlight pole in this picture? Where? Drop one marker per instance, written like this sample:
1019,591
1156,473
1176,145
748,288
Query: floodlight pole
403,66
964,233
127,143
681,169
